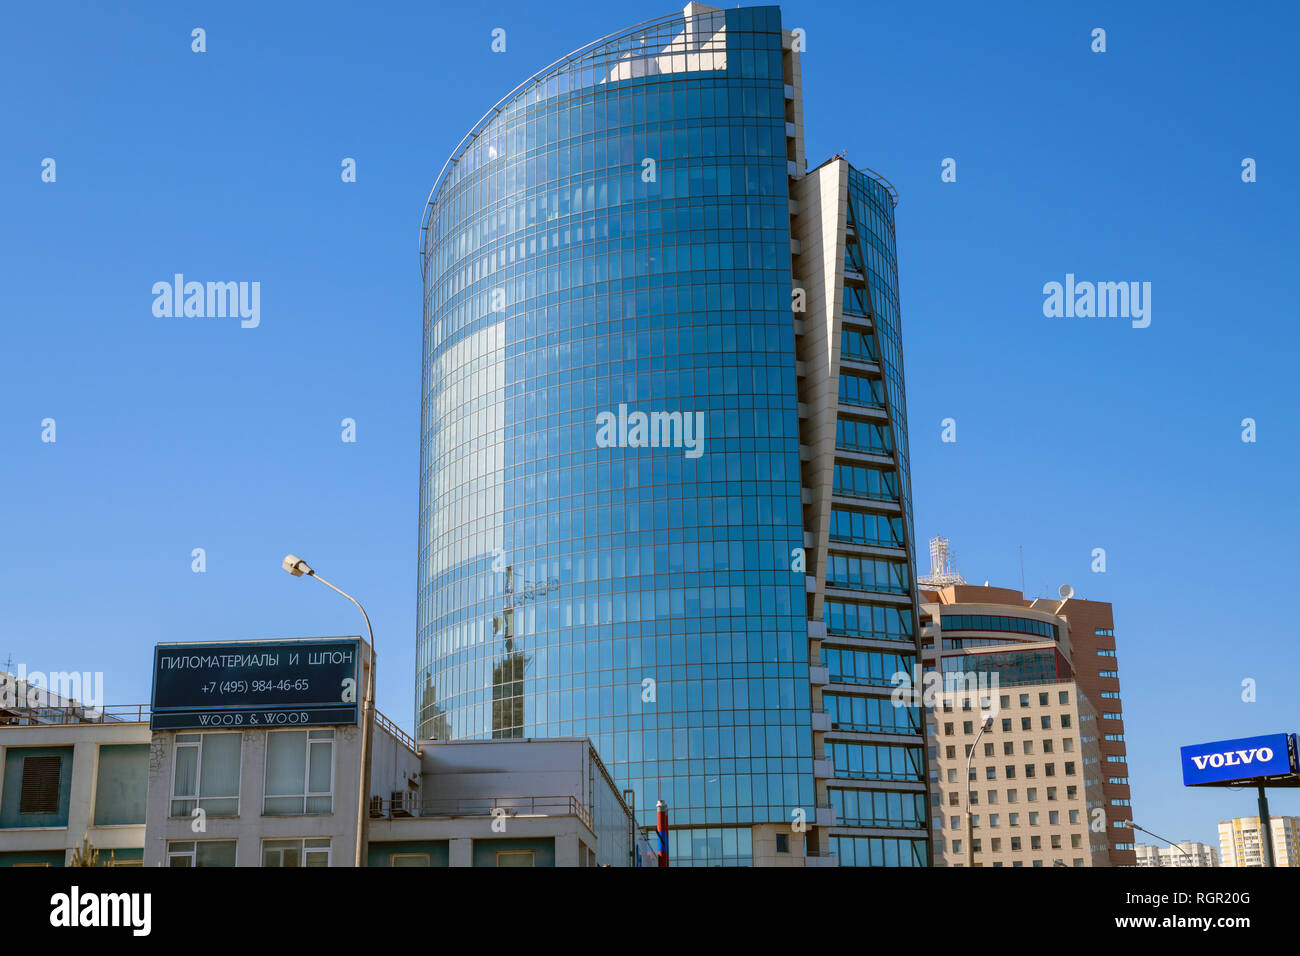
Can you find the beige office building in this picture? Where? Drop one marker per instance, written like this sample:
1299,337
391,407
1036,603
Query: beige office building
1036,776
1239,841
1034,779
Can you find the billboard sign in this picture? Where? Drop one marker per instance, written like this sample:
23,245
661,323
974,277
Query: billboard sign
1241,760
311,682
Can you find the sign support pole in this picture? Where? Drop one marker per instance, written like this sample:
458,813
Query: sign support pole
1265,827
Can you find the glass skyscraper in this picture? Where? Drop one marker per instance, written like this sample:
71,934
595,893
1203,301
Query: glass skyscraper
628,445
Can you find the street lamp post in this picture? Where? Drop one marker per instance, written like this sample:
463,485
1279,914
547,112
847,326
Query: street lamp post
298,567
970,829
1133,826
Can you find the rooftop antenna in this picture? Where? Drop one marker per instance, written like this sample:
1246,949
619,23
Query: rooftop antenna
943,569
1022,569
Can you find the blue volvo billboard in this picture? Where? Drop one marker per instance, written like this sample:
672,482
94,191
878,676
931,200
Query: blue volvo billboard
1242,760
312,682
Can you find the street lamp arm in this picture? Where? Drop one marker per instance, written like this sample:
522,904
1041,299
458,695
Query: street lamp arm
369,629
1134,826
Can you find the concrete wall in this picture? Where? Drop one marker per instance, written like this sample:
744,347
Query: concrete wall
505,768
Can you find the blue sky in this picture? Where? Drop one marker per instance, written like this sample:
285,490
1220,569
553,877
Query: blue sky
1072,434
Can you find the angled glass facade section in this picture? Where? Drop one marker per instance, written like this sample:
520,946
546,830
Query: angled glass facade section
871,222
614,240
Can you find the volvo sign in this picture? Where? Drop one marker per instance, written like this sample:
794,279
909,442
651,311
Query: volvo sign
256,684
1248,760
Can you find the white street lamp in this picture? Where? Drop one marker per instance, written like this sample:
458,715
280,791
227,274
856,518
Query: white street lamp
970,829
298,567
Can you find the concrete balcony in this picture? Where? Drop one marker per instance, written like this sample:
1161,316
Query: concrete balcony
821,721
821,859
825,817
823,769
819,676
817,629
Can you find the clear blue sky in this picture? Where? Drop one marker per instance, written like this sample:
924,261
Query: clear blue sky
174,434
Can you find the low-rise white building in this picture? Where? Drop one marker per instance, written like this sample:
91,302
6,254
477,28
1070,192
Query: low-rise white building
1185,853
220,782
68,773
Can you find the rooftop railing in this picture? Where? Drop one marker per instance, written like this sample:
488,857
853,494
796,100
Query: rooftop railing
450,807
79,714
397,733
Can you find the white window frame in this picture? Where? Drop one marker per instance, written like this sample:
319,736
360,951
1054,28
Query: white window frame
303,849
531,854
194,798
193,852
307,793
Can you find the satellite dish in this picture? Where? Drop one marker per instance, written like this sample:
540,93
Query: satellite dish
1065,591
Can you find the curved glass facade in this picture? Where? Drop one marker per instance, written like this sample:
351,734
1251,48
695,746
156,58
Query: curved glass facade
616,239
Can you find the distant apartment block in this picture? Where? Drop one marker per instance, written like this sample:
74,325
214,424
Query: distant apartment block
1186,853
1239,841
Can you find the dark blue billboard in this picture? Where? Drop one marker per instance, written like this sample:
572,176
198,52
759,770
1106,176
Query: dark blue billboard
312,682
1235,761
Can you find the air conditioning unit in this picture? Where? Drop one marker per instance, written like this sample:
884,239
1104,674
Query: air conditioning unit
403,803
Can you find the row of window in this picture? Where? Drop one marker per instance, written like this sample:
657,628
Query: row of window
1004,701
870,714
1013,796
1013,819
885,622
305,852
1009,748
1026,723
276,853
1035,843
299,773
869,808
879,851
864,527
867,574
1009,771
875,761
994,622
848,666
864,481
870,437
855,343
861,390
